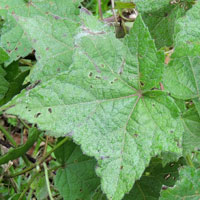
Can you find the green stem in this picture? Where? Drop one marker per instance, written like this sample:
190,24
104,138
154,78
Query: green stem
14,185
100,10
30,194
41,160
12,141
47,181
189,161
31,181
124,18
25,125
25,159
28,185
55,168
51,145
41,138
8,136
26,62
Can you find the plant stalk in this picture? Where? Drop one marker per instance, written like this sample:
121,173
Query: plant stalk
41,160
12,141
100,10
47,181
189,161
28,185
8,136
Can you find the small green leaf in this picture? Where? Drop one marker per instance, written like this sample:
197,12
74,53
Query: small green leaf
13,121
187,187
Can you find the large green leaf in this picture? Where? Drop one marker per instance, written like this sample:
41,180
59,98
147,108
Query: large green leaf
153,179
106,104
60,11
187,188
77,180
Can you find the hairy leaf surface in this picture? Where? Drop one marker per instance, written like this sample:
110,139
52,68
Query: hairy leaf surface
105,102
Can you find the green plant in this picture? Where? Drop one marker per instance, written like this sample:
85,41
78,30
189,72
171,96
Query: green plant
120,101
